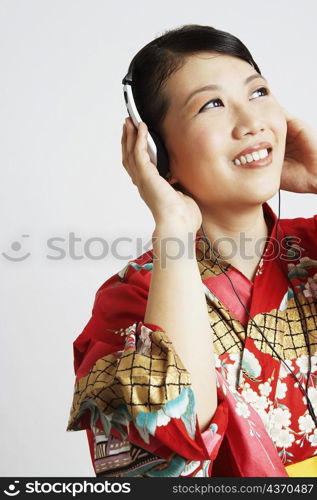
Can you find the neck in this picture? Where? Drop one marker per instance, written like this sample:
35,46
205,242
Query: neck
238,236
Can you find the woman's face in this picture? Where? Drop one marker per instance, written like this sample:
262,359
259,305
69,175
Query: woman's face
206,132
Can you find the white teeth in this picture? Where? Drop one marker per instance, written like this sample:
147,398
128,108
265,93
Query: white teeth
256,155
249,157
263,153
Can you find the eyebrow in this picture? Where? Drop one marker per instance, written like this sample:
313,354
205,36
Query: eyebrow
217,87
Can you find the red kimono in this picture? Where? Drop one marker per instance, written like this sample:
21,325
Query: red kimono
133,394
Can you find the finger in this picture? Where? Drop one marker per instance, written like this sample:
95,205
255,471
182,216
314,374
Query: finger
131,138
125,161
124,145
124,134
141,154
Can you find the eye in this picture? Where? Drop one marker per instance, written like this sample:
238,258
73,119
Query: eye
216,103
262,91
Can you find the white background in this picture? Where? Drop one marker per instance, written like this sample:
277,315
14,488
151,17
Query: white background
62,110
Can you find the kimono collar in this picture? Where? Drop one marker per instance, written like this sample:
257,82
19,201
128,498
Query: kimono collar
207,256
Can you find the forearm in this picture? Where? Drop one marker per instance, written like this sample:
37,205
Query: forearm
176,302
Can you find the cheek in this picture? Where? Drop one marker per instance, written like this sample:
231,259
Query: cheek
281,132
206,141
279,127
188,147
278,121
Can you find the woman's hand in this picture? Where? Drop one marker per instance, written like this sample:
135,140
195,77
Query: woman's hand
165,203
299,173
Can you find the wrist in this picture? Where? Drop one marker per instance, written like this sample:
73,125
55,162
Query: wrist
173,232
173,243
173,225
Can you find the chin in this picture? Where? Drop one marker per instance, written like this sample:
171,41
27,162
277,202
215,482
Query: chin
266,188
270,193
260,196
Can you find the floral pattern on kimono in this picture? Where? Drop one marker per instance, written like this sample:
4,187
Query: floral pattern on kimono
134,397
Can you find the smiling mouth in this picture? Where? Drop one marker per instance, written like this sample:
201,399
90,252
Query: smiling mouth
260,158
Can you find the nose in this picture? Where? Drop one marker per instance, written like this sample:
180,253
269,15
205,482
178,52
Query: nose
247,122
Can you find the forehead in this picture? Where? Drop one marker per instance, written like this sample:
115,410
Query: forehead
205,68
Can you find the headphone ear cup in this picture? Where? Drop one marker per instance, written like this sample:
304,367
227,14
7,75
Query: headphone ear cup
162,155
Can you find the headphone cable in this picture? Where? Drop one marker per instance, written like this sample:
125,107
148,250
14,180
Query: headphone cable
304,391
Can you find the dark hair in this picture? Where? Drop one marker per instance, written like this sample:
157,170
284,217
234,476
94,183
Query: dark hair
164,55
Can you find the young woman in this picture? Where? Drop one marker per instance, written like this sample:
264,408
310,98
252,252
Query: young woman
200,355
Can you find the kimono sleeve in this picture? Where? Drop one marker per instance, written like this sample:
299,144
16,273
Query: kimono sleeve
131,387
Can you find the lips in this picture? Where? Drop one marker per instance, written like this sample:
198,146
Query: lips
252,149
253,164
